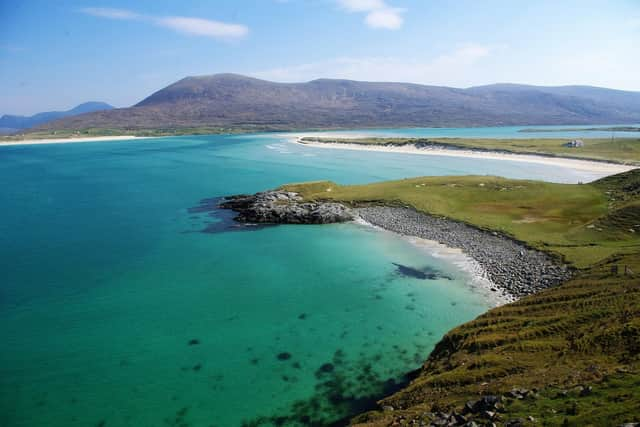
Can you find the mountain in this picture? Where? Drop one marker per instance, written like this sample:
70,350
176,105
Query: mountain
24,122
231,100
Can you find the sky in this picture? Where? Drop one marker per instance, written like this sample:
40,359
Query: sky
57,54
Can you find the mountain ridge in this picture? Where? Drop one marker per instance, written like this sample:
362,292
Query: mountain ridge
233,100
11,121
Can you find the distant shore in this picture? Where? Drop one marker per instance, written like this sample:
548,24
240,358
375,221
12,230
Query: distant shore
69,140
592,166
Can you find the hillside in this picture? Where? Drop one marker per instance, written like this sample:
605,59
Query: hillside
24,122
229,100
566,356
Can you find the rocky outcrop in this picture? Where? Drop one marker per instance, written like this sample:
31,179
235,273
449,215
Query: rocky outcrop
285,207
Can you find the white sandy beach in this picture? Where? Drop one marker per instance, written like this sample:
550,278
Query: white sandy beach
69,140
480,283
595,167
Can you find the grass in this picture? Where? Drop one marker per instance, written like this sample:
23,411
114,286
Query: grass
621,150
585,332
583,224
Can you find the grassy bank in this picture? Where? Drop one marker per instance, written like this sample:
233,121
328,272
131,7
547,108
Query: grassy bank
584,333
621,150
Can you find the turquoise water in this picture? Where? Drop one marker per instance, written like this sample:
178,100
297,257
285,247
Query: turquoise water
115,310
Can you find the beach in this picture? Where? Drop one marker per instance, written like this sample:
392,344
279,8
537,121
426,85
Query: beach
70,140
590,166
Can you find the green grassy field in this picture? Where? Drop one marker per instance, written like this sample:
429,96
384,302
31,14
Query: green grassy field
585,332
583,223
622,150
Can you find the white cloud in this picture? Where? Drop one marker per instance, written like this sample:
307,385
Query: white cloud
389,19
203,27
181,24
454,68
379,15
362,5
110,13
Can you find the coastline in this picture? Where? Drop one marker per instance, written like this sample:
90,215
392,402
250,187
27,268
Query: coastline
514,269
592,166
480,282
71,140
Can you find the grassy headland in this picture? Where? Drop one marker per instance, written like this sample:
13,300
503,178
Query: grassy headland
577,345
620,150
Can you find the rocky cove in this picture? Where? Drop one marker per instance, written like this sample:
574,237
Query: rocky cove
514,268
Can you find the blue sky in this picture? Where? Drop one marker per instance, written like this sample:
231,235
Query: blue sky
54,55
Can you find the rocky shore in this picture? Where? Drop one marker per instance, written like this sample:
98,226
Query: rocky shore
510,265
285,207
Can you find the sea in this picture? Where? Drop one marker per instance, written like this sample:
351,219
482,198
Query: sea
128,299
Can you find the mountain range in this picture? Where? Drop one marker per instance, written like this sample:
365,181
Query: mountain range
11,123
230,100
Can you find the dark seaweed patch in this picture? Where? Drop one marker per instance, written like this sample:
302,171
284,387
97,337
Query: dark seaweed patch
219,220
343,390
426,273
284,356
326,368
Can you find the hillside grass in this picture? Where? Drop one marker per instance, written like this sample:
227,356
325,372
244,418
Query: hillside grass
583,333
621,150
583,224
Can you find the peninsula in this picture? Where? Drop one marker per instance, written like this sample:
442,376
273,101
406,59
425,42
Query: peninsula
622,151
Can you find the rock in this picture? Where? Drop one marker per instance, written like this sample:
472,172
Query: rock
284,207
586,391
486,403
387,408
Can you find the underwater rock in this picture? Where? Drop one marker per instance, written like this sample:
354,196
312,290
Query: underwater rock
422,274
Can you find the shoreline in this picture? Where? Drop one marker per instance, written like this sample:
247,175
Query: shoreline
513,269
480,281
591,166
71,140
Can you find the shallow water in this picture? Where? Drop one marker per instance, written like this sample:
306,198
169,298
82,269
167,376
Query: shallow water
115,310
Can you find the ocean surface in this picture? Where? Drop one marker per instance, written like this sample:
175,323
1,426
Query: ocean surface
116,309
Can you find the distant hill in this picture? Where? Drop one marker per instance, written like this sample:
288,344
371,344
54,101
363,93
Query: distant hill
231,100
14,123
